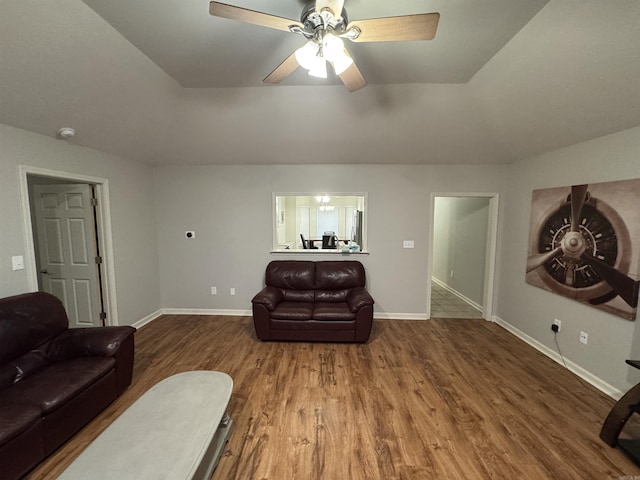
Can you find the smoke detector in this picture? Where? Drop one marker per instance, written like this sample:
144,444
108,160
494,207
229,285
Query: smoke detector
66,132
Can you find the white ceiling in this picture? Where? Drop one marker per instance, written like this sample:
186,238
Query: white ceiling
164,82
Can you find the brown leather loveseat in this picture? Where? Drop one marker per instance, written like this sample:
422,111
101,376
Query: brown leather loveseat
53,380
314,301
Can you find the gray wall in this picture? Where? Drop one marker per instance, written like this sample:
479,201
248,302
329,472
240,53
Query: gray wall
531,309
132,215
230,209
460,244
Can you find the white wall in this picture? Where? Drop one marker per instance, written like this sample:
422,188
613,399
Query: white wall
132,215
229,207
530,309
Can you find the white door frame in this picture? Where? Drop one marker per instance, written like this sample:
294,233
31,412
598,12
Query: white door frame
104,233
492,242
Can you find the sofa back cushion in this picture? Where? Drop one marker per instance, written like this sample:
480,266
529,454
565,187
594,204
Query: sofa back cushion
331,280
339,275
28,321
290,275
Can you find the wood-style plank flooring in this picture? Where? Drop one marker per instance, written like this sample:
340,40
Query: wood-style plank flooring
436,399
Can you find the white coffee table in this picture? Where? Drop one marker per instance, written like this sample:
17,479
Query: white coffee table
176,430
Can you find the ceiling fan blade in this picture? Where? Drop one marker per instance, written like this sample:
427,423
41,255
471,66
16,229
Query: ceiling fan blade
421,26
623,285
286,68
534,261
335,6
578,197
351,77
231,12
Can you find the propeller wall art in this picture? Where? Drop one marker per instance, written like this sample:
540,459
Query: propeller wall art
324,26
584,243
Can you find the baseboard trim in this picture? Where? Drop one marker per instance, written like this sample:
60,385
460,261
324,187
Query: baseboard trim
400,316
247,313
574,368
205,311
465,299
148,319
189,311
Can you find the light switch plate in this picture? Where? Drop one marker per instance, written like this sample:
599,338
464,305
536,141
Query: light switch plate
17,262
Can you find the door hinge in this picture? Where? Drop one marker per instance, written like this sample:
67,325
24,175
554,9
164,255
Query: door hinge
103,315
94,202
98,260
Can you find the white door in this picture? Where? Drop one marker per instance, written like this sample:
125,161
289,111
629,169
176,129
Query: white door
65,233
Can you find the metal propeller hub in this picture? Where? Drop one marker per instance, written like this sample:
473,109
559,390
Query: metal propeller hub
573,245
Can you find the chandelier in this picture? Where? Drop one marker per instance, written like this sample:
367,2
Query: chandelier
324,201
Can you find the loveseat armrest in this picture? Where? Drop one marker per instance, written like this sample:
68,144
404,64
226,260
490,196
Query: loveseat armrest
359,297
89,342
270,297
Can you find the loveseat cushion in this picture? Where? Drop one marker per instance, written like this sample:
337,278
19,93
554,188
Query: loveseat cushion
297,275
293,311
57,383
339,275
307,296
21,444
331,295
28,321
332,311
89,342
15,419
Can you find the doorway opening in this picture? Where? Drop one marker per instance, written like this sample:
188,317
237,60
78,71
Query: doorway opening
69,247
462,257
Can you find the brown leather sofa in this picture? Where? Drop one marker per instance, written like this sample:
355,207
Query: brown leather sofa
53,380
314,301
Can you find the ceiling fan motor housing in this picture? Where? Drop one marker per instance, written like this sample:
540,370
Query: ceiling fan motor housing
312,20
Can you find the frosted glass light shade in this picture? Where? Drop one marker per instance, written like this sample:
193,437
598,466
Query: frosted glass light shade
319,70
334,52
307,54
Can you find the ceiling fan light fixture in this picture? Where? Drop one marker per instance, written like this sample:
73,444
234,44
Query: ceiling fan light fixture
319,70
333,49
307,55
341,63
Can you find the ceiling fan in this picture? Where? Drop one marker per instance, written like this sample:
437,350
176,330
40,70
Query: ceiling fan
324,24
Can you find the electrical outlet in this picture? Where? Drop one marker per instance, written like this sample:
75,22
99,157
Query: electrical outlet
214,291
584,337
232,291
558,323
451,274
408,244
190,234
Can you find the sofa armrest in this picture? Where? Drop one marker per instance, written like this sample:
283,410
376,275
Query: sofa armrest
358,298
270,297
87,342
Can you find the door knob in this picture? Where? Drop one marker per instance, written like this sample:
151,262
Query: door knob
44,271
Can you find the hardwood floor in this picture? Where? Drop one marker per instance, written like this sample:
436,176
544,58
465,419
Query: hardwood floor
445,399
